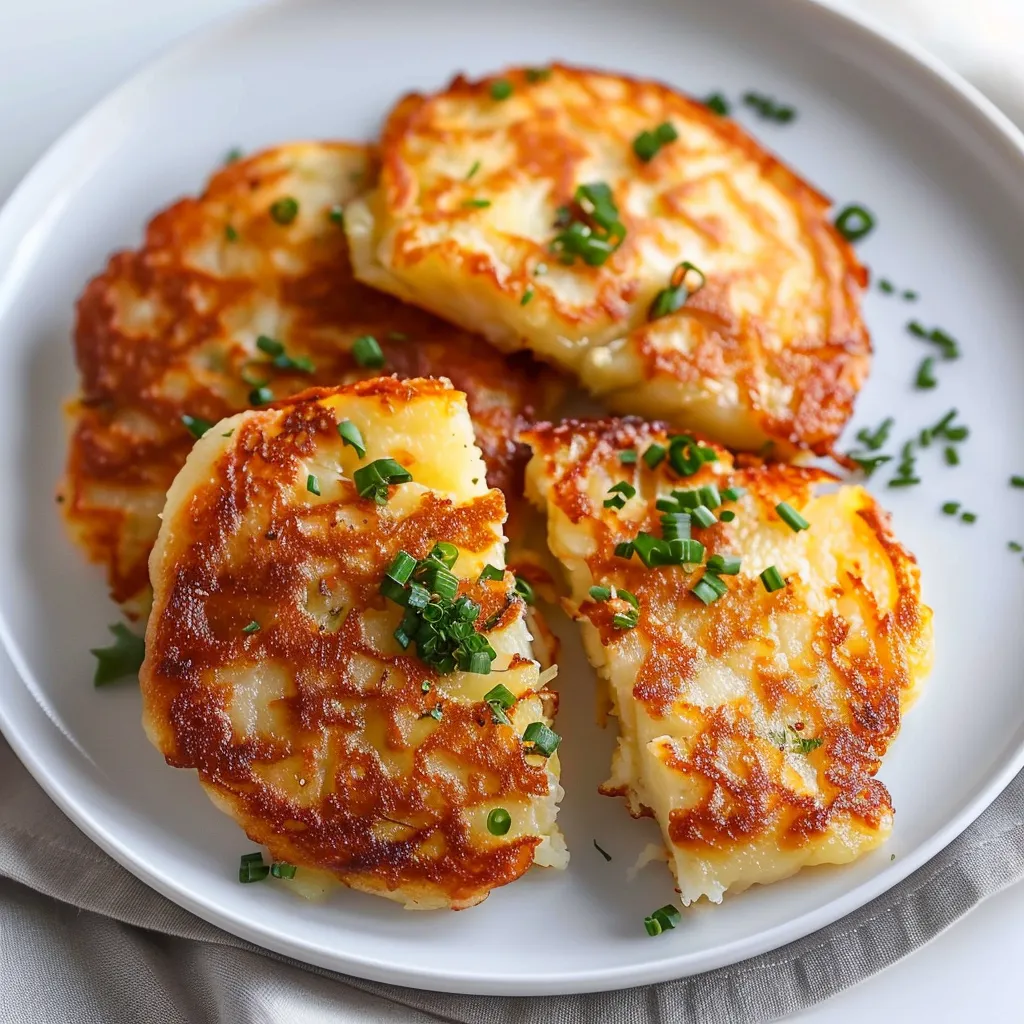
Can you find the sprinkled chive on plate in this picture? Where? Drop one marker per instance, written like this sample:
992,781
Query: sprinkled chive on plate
949,480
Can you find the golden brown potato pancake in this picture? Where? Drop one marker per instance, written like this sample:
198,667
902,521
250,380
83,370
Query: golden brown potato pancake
750,728
171,330
272,667
478,190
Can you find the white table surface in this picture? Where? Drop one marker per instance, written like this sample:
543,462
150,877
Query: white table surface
58,57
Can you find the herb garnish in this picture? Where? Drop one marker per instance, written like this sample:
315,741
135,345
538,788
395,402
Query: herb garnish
123,658
772,579
664,919
648,144
593,231
373,480
499,821
791,739
604,853
440,625
671,299
854,222
366,351
196,425
501,89
351,435
717,103
768,108
283,211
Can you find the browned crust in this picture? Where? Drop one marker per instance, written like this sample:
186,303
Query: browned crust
826,366
204,595
875,672
125,370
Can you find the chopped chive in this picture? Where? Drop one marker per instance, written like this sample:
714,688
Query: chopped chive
875,439
628,457
624,549
122,659
724,565
648,143
499,821
671,299
869,463
196,425
473,169
336,214
885,285
285,210
727,516
269,346
524,590
951,456
1015,546
373,480
668,917
252,869
367,351
772,579
351,435
435,713
230,233
545,741
791,517
969,517
500,695
703,516
260,396
684,455
313,484
710,588
282,869
253,627
654,456
733,493
709,496
491,572
607,856
534,75
717,104
401,567
233,155
916,328
527,296
950,508
925,378
854,222
599,593
909,295
228,433
1017,481
652,926
476,204
501,89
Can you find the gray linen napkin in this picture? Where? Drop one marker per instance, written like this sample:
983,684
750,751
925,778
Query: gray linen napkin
83,940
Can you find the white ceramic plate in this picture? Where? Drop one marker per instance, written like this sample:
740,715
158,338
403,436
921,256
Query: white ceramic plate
942,171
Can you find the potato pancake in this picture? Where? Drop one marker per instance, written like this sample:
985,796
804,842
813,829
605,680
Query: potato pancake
241,296
554,209
753,712
331,722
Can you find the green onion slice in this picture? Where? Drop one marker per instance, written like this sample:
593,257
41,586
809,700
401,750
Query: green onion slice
499,821
545,741
366,351
791,517
854,222
352,436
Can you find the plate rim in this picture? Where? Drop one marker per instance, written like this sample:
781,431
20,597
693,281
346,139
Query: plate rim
835,17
